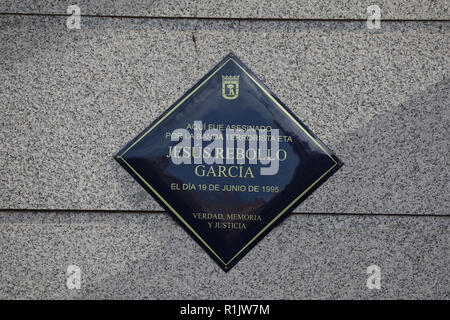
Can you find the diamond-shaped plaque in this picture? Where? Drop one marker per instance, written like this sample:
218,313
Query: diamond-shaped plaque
229,161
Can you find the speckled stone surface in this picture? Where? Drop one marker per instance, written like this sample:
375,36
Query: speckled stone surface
71,99
150,256
289,9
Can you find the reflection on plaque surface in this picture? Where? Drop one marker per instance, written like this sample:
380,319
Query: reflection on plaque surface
229,161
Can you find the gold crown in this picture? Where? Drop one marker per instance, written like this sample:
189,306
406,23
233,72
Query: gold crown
230,78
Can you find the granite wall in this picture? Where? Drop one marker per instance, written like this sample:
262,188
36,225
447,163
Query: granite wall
70,99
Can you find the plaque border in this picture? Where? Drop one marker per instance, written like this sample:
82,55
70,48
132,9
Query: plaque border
277,219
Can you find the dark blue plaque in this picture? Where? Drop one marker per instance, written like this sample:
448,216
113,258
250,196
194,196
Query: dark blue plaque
229,161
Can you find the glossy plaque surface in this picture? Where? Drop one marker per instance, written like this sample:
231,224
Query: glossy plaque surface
228,161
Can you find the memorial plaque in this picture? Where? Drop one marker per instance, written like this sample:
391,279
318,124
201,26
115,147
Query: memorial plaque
229,161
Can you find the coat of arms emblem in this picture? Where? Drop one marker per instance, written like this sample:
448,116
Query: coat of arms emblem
230,87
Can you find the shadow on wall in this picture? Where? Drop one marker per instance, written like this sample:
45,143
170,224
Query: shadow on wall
402,159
